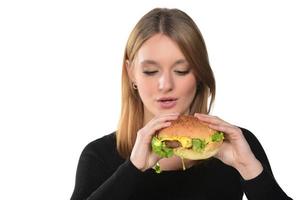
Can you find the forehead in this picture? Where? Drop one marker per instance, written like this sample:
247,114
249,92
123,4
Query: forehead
161,49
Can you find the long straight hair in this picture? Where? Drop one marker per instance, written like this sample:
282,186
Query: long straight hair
178,26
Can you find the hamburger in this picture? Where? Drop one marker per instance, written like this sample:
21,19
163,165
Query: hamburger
188,138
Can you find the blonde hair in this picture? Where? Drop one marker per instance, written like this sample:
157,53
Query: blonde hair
178,26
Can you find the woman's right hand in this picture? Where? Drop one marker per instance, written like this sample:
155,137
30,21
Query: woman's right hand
142,156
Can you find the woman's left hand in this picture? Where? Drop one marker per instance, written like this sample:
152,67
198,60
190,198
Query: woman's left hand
235,150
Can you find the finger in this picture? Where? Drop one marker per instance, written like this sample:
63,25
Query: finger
157,123
210,119
167,114
156,127
160,126
163,118
205,116
162,123
220,127
231,132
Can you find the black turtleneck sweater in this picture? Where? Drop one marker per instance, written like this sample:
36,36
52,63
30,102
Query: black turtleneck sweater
103,175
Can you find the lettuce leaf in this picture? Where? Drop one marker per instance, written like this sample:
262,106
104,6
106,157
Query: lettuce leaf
217,136
159,147
157,168
198,144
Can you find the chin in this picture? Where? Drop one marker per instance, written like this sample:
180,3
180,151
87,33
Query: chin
180,111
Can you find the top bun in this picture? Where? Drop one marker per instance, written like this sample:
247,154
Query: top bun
186,126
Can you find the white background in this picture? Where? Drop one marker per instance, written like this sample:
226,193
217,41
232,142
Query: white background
60,67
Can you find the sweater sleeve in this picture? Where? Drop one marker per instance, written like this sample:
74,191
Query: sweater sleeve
264,186
96,180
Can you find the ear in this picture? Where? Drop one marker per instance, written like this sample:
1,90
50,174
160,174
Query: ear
129,68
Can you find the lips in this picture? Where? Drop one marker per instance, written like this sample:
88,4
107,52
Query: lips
167,99
167,102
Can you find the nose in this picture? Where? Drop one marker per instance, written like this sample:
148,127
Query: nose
166,82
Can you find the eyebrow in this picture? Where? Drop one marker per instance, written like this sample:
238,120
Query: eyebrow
149,62
152,62
180,61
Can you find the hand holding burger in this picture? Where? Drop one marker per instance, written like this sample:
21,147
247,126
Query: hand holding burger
141,156
235,151
201,137
188,138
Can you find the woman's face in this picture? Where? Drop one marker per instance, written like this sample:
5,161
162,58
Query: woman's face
164,79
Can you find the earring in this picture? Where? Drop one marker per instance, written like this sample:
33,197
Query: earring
134,86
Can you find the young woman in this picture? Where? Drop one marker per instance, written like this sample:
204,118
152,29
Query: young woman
166,73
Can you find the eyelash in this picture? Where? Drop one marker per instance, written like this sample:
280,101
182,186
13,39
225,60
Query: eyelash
181,73
149,73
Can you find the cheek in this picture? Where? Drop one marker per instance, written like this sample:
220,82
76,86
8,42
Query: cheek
189,87
146,89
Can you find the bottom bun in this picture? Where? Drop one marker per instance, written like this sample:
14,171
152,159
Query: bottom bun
192,155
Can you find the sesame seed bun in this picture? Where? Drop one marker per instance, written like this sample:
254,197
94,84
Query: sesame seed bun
186,128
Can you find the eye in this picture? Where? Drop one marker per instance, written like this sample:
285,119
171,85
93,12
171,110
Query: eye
150,73
182,72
